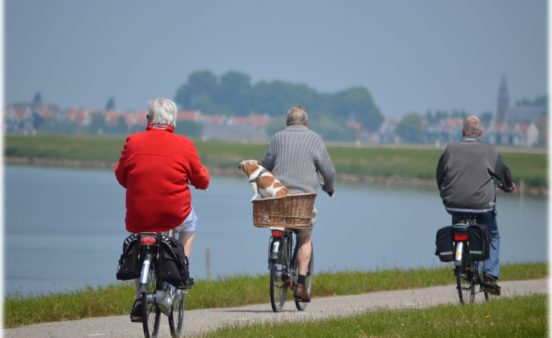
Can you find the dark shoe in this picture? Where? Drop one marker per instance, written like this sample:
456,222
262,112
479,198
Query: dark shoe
188,284
490,284
136,313
300,293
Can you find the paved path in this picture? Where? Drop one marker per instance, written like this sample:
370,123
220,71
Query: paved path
202,321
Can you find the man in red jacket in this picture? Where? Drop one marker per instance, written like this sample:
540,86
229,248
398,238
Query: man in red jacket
156,167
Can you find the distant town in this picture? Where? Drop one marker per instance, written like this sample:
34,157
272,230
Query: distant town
522,124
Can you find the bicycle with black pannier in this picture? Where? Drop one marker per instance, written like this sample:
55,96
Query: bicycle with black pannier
467,244
158,260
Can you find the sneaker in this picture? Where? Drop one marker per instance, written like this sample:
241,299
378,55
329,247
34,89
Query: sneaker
136,313
300,293
490,284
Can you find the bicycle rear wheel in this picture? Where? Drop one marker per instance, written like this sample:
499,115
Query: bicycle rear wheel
480,278
279,283
176,316
151,314
301,306
465,281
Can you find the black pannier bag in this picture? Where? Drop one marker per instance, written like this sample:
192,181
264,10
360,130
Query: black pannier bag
444,247
129,262
173,265
478,242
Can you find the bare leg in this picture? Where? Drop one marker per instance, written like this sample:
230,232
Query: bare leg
304,254
186,238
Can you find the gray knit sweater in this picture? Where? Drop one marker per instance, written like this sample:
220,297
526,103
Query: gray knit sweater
296,156
465,175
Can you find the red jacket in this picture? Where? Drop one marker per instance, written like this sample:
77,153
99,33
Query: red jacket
155,167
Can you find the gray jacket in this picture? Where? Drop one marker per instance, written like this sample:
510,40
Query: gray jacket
465,176
296,155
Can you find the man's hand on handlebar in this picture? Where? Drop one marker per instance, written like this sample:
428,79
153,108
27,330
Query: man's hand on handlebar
511,189
507,189
330,193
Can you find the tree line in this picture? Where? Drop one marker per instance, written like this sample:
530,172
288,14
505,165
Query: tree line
233,93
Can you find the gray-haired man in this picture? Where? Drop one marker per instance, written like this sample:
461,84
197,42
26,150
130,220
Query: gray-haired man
465,176
297,156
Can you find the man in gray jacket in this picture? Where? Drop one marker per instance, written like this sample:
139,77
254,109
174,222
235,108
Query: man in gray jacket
296,156
466,175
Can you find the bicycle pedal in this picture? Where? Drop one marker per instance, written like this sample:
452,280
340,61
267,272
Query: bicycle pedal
287,280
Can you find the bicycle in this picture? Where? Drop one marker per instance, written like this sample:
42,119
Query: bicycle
282,215
282,264
158,296
468,264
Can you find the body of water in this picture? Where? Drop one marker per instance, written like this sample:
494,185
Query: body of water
64,229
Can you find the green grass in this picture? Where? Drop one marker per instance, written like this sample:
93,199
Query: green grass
84,148
386,162
511,317
233,291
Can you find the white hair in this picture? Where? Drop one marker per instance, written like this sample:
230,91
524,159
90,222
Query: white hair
472,126
162,111
297,115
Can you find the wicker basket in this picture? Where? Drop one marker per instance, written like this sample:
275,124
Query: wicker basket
292,211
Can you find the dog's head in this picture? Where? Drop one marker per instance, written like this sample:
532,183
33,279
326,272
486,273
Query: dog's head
249,166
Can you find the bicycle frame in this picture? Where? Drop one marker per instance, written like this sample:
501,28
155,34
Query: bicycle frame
282,251
468,272
164,295
279,240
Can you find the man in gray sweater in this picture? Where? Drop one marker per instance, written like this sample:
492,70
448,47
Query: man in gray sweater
297,156
466,173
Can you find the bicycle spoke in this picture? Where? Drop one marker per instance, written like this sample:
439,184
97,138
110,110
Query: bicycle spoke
151,314
278,287
176,316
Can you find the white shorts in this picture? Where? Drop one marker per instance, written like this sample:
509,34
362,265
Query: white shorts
189,224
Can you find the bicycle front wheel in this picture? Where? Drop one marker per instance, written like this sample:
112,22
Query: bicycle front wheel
151,314
465,282
176,316
279,280
301,306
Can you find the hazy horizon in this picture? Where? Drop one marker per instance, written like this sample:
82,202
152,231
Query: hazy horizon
411,55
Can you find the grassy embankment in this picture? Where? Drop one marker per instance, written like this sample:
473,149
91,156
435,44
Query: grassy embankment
512,317
382,164
233,291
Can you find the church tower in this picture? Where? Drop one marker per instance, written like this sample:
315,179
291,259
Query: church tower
503,102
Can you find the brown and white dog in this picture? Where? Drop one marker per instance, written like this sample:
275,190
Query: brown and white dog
263,183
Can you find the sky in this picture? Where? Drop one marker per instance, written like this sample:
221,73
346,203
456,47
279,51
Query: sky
412,55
